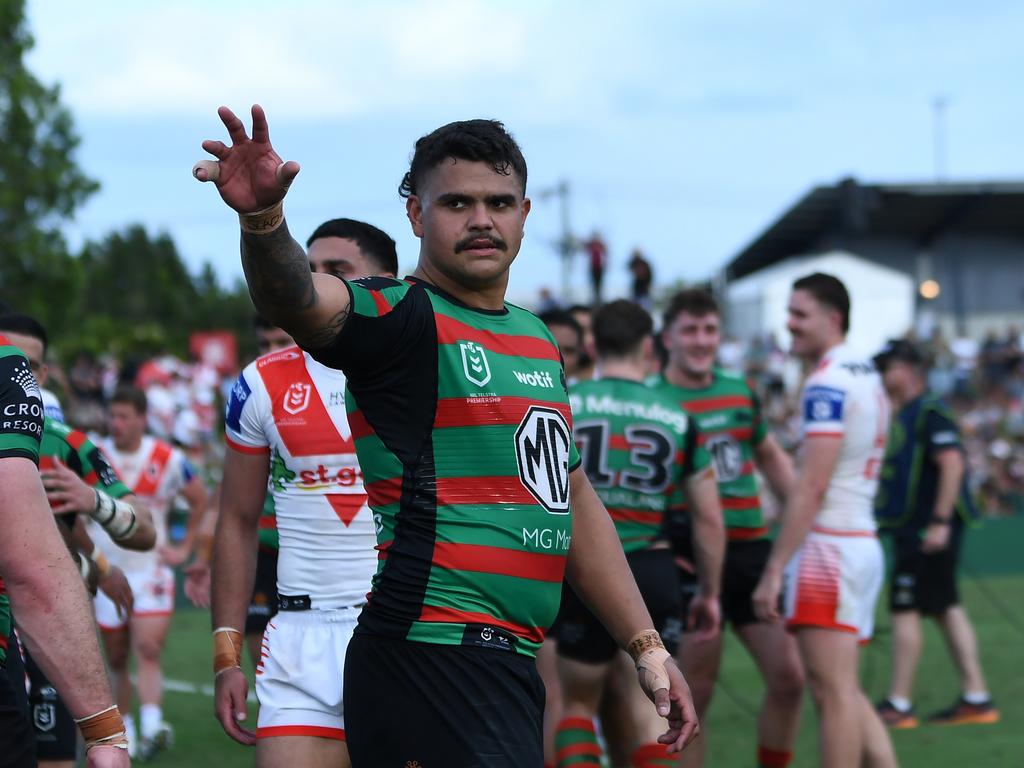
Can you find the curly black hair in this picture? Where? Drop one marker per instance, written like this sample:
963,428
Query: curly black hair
484,141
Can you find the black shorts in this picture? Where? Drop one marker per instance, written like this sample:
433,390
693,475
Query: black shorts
263,604
17,739
56,733
441,706
745,561
582,637
922,582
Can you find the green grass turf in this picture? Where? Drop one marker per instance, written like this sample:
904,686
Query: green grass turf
995,604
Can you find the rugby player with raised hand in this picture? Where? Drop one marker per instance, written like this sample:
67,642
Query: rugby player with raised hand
461,421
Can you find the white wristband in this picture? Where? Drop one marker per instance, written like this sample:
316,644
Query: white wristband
84,566
117,517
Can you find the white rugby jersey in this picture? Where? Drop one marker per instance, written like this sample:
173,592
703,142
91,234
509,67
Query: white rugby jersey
844,399
156,473
291,407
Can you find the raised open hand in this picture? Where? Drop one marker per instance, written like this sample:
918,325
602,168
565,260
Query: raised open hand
249,174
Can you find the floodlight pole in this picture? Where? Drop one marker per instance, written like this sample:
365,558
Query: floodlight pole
566,244
939,104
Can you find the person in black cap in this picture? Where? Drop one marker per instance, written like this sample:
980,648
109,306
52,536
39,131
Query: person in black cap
924,502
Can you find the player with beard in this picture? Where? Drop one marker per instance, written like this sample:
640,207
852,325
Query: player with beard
461,422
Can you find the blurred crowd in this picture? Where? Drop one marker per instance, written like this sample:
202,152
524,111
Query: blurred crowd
983,381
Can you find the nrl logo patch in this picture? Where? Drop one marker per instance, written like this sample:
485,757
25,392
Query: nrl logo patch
474,363
296,399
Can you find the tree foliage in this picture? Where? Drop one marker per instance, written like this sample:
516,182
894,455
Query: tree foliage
40,183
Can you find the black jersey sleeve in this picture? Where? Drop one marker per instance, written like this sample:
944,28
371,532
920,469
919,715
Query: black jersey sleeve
21,407
940,431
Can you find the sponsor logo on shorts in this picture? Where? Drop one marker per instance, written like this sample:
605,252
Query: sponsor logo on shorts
44,717
474,363
542,452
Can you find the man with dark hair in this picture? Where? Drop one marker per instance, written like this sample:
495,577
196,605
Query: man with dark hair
925,503
30,327
584,316
156,472
350,249
462,426
728,413
827,550
316,537
637,449
39,579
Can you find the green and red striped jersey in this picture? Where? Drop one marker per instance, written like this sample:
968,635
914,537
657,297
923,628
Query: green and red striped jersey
21,427
463,431
729,417
638,447
83,457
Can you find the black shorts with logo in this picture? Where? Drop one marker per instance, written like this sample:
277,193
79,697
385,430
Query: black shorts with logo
582,637
441,706
745,561
924,582
56,733
17,739
263,604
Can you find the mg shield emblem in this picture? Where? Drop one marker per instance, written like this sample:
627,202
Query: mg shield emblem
296,399
542,451
474,363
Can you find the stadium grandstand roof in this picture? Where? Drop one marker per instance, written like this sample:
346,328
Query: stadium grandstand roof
827,215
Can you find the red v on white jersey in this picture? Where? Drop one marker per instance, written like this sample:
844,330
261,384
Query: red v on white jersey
153,470
303,422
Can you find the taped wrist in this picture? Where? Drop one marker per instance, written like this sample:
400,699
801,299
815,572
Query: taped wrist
85,566
101,562
117,517
649,654
263,221
103,729
227,649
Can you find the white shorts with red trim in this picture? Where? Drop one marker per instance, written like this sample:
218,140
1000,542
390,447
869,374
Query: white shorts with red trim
153,593
299,677
833,582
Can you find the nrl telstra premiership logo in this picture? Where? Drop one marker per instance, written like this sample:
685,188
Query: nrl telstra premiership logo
474,363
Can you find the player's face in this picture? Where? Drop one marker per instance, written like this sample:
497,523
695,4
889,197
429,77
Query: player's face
811,324
692,342
569,346
586,321
897,377
470,220
127,425
272,339
33,349
340,257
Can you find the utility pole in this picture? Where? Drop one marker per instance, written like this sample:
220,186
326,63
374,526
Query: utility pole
566,243
939,104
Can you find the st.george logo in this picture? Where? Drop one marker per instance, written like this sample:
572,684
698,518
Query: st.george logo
296,398
474,363
542,451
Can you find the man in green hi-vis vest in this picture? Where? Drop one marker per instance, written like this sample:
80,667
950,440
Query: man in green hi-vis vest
461,421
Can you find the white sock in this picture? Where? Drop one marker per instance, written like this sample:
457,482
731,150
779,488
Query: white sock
151,718
129,727
903,705
976,698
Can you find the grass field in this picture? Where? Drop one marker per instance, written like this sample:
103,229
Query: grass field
995,603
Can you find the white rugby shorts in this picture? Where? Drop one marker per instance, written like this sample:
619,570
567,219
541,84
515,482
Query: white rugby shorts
300,673
153,593
833,582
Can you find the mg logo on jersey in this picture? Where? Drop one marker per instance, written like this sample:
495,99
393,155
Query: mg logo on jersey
727,457
474,363
296,398
542,451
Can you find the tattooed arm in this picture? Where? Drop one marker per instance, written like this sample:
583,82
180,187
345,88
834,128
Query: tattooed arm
311,307
252,179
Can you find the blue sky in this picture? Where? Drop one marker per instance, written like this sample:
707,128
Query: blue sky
684,128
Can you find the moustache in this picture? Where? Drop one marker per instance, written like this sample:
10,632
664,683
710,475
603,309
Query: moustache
496,242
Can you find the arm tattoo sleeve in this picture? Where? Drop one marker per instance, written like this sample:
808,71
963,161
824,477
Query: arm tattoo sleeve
278,275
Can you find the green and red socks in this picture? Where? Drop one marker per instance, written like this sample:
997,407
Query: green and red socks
576,744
